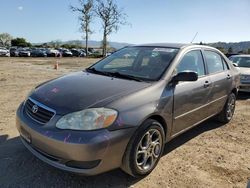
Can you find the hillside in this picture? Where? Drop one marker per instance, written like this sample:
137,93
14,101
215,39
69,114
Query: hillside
92,43
236,46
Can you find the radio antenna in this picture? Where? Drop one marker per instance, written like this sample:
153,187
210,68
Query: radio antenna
194,37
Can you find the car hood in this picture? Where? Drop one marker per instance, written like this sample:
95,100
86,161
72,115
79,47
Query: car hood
81,90
244,70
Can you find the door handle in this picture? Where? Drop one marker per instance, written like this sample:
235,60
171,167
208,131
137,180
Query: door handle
229,76
206,84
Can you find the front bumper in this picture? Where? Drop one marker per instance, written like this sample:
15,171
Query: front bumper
245,87
83,152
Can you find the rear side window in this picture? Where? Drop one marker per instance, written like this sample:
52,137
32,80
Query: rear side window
214,62
192,61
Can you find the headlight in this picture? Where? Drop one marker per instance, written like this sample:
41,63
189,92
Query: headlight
89,119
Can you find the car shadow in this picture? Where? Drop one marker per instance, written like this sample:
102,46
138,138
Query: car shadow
190,134
243,96
19,168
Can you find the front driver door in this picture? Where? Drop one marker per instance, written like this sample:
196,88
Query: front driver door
190,98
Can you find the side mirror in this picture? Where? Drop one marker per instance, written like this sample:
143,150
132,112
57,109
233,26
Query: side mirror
186,76
235,64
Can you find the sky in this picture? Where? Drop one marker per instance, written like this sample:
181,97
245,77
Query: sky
149,21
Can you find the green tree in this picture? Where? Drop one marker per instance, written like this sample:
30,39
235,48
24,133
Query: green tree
5,39
230,50
222,50
20,42
248,51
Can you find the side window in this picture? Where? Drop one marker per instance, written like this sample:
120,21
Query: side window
214,62
192,61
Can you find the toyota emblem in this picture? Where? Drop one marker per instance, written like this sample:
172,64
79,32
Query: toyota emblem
34,109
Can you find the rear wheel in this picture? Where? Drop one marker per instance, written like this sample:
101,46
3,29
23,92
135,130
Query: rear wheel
144,149
228,111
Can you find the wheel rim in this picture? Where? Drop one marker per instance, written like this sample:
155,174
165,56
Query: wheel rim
149,150
230,108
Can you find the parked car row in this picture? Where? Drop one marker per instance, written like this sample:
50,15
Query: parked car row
44,52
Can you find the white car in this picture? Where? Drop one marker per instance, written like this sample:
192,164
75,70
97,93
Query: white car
53,53
243,63
4,52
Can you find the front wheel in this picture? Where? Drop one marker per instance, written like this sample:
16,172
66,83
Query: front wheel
145,149
228,111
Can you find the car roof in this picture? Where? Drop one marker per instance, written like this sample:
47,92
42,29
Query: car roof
242,55
169,45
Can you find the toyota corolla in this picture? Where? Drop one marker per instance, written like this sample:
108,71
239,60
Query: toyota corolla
120,112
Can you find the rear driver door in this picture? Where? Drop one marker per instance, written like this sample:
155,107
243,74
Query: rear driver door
191,98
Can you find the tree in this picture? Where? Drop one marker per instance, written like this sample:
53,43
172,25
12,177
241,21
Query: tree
86,14
5,39
221,49
20,42
230,50
248,51
112,17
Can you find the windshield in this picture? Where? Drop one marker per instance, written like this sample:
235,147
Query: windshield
241,61
144,63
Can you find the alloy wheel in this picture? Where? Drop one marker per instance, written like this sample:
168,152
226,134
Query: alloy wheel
230,108
149,150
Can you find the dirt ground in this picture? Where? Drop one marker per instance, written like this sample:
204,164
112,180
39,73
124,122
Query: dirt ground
210,155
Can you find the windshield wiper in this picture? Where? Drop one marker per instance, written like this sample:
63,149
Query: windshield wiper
119,75
93,70
114,74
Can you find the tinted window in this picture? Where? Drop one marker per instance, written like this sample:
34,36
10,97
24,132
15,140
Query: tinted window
192,61
214,62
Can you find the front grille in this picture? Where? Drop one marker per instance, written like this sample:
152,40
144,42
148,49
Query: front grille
38,111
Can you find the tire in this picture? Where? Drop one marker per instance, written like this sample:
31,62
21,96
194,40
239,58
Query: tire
144,149
227,113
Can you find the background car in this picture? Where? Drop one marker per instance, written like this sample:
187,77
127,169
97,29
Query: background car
66,53
53,53
13,51
23,52
4,52
38,53
77,53
243,62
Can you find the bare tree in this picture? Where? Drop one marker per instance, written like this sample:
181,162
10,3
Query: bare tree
5,39
86,13
112,17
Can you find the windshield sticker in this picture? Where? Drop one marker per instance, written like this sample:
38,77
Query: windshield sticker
164,50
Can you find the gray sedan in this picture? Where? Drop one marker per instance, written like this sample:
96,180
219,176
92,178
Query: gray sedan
120,112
